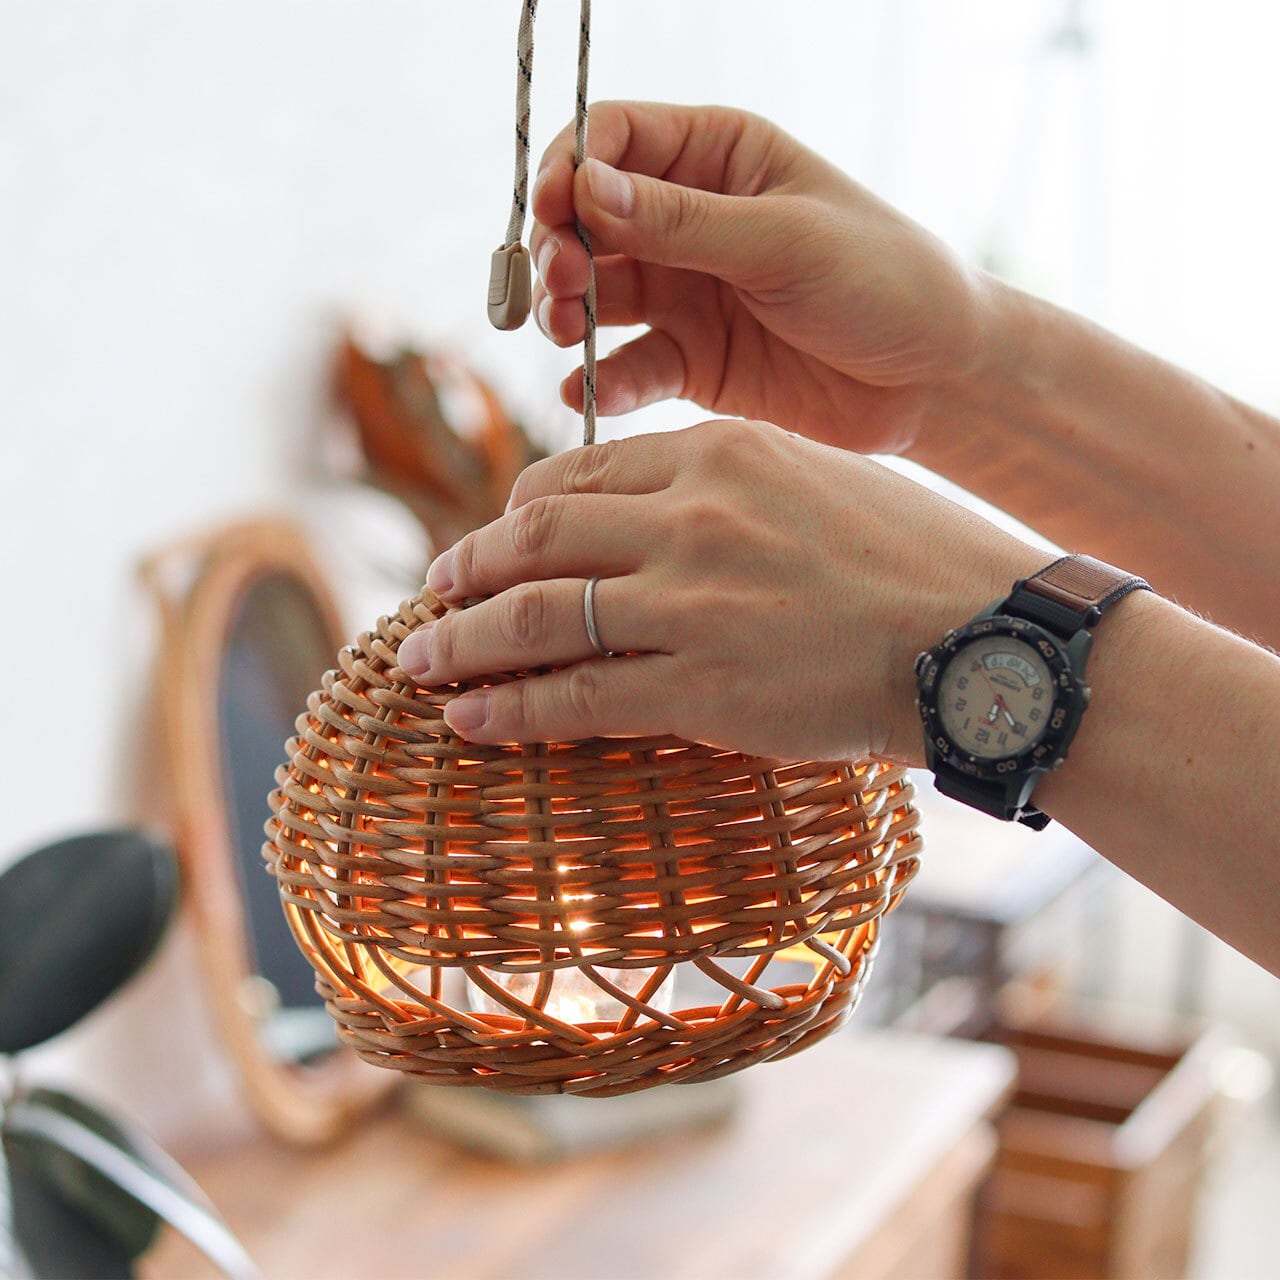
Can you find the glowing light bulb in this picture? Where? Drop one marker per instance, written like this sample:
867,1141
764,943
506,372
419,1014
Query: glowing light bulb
573,996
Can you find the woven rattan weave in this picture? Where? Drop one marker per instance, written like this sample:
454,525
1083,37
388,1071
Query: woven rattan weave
408,859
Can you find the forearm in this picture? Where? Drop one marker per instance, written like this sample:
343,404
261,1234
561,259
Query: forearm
1108,450
1174,773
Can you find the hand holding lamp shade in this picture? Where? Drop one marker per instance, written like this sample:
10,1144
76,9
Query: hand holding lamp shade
569,882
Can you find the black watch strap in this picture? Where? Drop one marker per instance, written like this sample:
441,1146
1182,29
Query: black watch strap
1070,594
1003,802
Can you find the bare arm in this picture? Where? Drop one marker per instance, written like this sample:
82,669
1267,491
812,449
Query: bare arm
1174,773
1109,450
803,579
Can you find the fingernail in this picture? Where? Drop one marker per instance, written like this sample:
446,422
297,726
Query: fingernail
467,714
546,256
537,185
611,190
415,651
440,575
543,316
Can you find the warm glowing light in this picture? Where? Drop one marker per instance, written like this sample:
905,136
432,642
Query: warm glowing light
574,997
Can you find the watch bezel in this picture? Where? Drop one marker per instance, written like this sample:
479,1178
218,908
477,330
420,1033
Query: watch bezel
1064,718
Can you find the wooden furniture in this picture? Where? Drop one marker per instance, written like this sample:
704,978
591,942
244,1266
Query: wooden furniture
248,625
1100,1155
855,1161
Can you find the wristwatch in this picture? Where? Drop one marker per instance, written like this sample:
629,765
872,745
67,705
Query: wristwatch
1001,697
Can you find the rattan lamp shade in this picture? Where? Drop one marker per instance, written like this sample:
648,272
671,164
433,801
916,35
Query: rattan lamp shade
415,867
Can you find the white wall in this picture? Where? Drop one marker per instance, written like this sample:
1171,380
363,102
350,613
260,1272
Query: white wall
192,195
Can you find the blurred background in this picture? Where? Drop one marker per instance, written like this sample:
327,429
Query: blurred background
198,200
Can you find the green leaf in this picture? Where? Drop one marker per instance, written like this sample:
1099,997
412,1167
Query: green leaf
116,1177
131,1224
45,1238
77,920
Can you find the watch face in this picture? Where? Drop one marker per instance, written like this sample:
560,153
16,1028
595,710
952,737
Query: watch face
996,697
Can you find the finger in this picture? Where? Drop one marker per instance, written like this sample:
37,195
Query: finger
606,697
679,143
645,371
618,137
636,465
534,624
563,320
561,259
707,148
551,200
736,238
563,266
620,300
557,536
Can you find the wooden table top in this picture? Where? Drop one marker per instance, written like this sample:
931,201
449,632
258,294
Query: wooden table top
821,1150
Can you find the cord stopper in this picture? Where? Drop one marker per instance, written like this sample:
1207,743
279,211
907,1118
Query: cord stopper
510,286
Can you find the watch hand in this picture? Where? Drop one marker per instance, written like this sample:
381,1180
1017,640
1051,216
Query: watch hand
998,706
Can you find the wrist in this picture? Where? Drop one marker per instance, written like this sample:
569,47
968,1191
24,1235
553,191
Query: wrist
1123,657
1010,373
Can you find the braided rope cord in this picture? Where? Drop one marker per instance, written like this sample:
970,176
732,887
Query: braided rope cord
520,184
524,92
589,298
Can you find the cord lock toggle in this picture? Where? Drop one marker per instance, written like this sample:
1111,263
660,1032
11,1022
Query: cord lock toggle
510,286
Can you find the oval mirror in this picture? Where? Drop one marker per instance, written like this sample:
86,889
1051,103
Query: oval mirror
249,628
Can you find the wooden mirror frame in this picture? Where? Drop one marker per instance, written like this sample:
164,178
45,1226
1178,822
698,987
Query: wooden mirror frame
198,585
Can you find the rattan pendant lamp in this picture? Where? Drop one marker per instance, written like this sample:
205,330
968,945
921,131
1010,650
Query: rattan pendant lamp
589,917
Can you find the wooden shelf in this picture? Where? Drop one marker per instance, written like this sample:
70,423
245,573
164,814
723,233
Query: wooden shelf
859,1157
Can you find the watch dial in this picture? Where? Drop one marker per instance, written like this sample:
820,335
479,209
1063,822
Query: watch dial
995,697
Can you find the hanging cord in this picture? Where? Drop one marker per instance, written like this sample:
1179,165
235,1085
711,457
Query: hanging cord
524,92
589,298
510,287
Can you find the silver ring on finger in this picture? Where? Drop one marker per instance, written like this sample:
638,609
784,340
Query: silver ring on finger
589,613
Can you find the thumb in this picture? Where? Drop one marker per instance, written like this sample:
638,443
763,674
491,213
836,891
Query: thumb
732,237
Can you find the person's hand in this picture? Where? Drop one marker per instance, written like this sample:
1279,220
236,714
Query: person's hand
772,285
767,594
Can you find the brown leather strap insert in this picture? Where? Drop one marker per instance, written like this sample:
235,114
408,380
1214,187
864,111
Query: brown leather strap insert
1079,582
